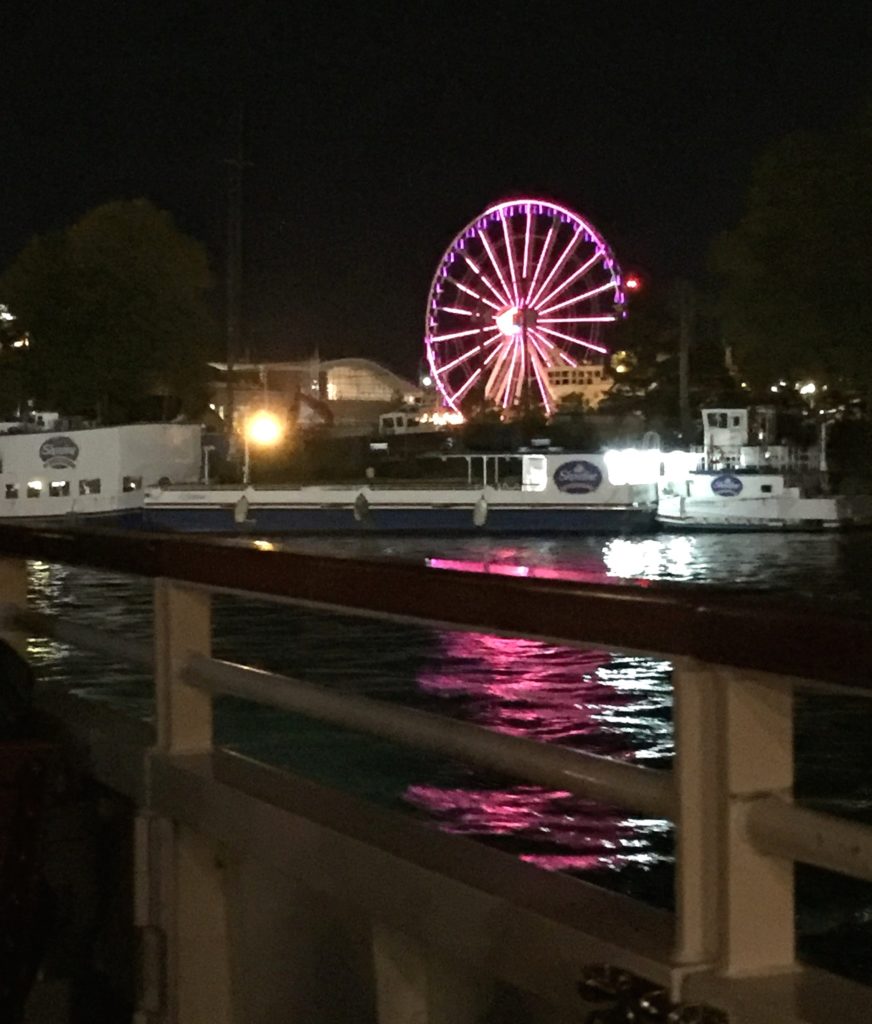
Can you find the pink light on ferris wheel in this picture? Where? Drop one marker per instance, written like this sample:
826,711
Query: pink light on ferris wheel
521,291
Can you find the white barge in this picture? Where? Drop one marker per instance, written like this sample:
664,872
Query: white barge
553,492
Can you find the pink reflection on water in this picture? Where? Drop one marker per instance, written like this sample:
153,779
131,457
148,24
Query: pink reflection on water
552,694
541,572
521,687
549,828
504,562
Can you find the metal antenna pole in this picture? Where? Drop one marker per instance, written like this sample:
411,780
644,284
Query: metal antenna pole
685,329
235,167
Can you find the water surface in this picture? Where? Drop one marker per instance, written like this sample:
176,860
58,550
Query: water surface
594,700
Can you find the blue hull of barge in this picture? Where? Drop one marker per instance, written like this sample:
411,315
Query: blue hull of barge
122,519
290,520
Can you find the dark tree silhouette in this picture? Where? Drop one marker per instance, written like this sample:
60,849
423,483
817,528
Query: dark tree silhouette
116,307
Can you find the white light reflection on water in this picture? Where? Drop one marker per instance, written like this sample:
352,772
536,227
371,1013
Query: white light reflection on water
670,557
103,601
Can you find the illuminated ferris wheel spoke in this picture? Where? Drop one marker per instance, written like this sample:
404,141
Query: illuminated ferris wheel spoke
578,298
507,297
510,373
583,269
558,266
460,392
556,350
550,347
607,319
537,342
537,333
510,253
553,352
494,290
512,378
546,245
458,361
544,390
522,371
460,334
474,294
527,229
500,342
575,341
496,370
503,327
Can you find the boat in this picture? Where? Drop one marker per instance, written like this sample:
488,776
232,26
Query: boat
93,474
742,480
517,493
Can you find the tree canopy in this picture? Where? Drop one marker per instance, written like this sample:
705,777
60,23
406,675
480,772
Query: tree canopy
116,308
645,359
796,272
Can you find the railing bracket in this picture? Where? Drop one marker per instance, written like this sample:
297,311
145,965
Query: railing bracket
620,997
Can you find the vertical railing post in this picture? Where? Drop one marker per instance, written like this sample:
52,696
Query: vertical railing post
184,890
697,769
182,627
734,744
759,925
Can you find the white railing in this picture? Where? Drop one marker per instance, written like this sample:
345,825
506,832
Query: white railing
729,793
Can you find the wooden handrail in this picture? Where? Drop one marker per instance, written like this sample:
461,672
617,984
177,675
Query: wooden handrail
753,631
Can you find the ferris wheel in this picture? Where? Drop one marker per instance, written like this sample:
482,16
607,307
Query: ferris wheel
523,292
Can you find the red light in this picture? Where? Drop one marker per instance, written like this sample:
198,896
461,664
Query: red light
633,284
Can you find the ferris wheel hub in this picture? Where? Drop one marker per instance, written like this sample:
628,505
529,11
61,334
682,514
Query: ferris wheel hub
513,320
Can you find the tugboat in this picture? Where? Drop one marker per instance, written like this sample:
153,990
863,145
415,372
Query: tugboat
743,480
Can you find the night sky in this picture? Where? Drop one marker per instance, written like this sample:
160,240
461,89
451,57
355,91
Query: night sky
376,131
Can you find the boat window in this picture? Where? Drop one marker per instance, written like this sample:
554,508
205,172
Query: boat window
58,488
509,472
89,487
712,419
132,483
766,488
34,488
12,490
735,421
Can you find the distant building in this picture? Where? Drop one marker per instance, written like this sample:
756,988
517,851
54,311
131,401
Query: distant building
589,381
347,395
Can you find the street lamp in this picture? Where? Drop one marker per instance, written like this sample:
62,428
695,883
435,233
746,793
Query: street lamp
263,429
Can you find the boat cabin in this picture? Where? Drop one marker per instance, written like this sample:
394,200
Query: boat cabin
97,471
747,439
